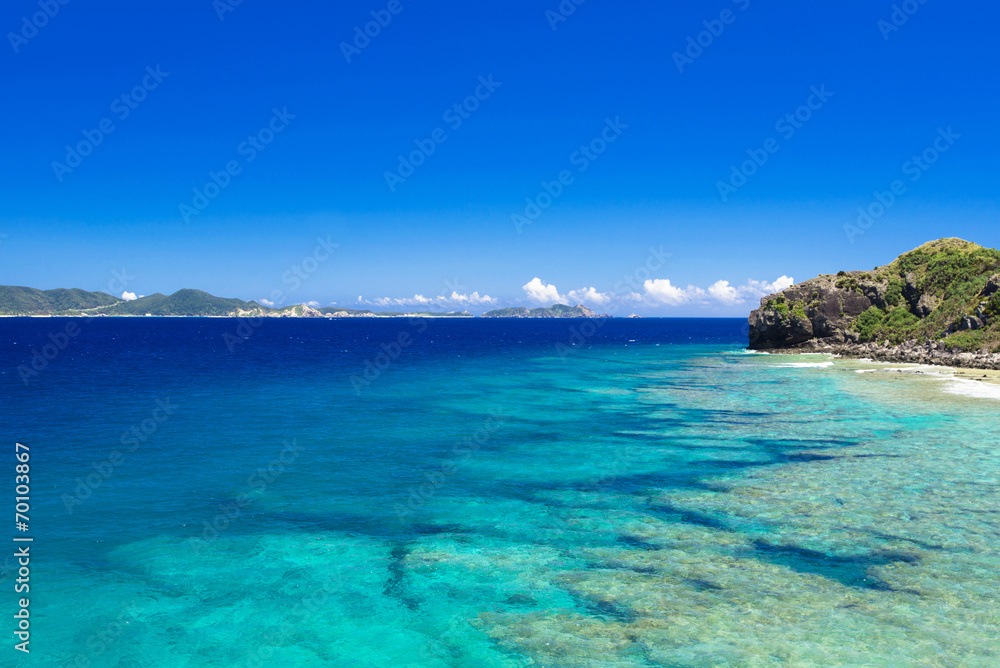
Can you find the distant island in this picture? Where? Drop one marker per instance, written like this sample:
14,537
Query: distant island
938,304
557,311
16,301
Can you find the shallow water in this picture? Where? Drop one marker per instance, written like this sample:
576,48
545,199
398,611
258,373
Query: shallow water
497,497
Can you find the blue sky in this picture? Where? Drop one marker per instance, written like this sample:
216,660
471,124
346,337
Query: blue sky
211,85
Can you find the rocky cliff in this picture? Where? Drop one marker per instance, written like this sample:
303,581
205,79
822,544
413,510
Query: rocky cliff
933,304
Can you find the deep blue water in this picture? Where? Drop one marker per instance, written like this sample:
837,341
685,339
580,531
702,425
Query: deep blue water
491,493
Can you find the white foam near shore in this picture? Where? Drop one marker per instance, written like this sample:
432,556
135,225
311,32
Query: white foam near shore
806,365
940,372
973,388
952,384
955,381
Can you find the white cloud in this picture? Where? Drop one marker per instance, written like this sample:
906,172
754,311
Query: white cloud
730,295
129,296
725,293
547,294
454,300
662,291
655,293
782,283
314,304
470,300
389,301
266,302
590,296
542,293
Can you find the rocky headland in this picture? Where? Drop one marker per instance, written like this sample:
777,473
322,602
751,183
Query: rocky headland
938,304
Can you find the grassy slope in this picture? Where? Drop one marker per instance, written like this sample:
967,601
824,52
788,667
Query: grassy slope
951,271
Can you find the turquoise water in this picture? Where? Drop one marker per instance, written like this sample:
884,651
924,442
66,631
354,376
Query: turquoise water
652,497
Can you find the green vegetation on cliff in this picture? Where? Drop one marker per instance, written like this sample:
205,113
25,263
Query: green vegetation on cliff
950,275
895,325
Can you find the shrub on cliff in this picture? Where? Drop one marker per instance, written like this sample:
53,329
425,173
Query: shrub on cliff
895,325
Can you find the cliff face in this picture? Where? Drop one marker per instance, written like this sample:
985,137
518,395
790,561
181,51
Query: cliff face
814,311
945,293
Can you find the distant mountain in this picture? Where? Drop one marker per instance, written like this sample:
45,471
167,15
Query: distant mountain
185,302
557,311
18,300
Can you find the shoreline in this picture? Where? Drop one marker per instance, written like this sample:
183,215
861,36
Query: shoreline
931,354
960,381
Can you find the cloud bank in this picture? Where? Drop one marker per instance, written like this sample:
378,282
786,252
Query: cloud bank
653,293
658,292
454,300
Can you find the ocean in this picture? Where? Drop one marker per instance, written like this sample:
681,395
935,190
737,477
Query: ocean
475,493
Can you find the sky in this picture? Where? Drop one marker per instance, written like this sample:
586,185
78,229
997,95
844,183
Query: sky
671,159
